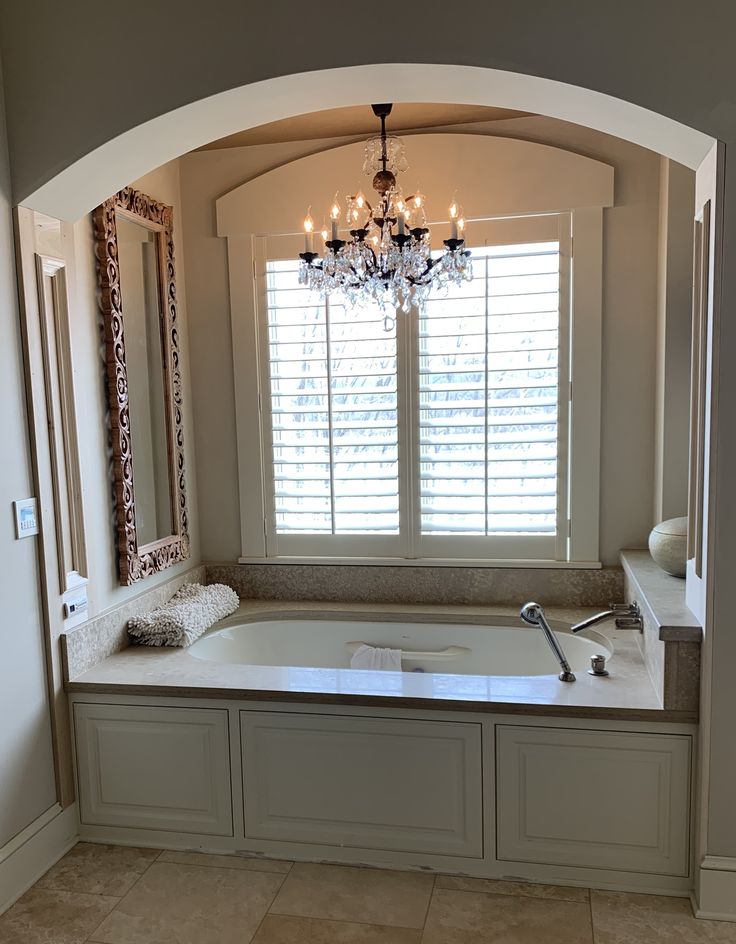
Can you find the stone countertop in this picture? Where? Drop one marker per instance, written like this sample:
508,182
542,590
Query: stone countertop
627,694
663,595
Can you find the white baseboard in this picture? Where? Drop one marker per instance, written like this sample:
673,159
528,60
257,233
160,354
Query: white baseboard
715,896
33,851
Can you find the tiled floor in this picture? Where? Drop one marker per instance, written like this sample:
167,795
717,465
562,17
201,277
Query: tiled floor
118,895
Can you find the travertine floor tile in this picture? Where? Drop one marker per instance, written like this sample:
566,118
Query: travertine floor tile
367,896
47,916
280,929
249,864
472,918
99,869
623,918
190,905
519,889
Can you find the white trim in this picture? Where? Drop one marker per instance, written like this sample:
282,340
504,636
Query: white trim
428,562
719,863
33,851
565,429
243,260
58,368
705,435
78,188
710,193
715,892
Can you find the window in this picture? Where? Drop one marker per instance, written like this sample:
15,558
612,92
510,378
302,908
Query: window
448,436
333,414
489,390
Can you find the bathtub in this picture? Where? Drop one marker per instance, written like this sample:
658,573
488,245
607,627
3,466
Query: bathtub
260,740
505,648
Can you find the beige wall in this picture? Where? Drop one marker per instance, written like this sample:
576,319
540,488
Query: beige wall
629,326
27,786
104,590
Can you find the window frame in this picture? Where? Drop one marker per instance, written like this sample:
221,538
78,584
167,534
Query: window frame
576,543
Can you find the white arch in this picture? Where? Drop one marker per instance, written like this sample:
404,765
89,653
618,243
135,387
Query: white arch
91,179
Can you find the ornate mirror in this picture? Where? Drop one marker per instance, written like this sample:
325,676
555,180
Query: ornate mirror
135,265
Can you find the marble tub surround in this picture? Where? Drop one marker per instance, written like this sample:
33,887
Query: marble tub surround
425,584
97,638
627,693
214,899
670,643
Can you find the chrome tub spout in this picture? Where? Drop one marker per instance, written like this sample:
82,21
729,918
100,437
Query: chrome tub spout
627,615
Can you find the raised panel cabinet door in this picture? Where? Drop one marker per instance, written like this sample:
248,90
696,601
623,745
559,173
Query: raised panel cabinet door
154,768
373,783
593,799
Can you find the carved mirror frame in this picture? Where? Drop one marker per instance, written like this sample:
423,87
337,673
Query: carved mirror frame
139,561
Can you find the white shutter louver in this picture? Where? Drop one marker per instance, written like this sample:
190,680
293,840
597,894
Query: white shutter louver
488,397
334,423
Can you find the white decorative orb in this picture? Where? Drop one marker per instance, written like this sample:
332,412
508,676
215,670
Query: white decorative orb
668,545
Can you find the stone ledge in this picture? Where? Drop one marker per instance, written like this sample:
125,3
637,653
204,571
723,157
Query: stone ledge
106,633
662,595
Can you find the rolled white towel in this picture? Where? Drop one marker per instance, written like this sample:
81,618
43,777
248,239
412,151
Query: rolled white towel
376,657
188,614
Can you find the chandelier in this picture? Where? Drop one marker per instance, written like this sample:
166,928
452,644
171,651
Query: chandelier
388,258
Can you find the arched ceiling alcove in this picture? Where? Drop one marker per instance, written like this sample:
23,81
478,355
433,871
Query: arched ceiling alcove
506,177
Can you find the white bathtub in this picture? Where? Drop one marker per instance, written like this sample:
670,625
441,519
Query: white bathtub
458,649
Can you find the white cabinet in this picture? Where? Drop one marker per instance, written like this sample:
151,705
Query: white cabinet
372,783
593,799
554,800
154,767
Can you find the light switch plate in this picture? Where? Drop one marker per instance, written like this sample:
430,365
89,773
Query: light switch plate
26,518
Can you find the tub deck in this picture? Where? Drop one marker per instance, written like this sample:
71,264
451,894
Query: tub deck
627,693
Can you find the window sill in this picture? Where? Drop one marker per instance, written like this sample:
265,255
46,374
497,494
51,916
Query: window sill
427,562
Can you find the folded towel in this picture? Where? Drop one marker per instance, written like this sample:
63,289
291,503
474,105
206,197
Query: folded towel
376,657
188,614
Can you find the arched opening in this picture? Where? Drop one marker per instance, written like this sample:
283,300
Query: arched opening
75,190
84,184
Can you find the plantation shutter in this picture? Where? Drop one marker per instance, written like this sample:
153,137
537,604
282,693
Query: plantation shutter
491,417
446,439
333,420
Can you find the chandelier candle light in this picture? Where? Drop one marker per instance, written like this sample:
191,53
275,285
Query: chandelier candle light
388,258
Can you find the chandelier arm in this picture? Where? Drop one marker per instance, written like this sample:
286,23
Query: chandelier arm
420,279
430,266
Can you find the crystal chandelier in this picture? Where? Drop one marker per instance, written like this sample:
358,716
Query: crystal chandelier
388,259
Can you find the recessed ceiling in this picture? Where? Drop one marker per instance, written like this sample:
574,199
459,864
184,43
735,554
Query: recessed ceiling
360,120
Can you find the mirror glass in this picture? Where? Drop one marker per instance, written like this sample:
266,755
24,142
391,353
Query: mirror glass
140,291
